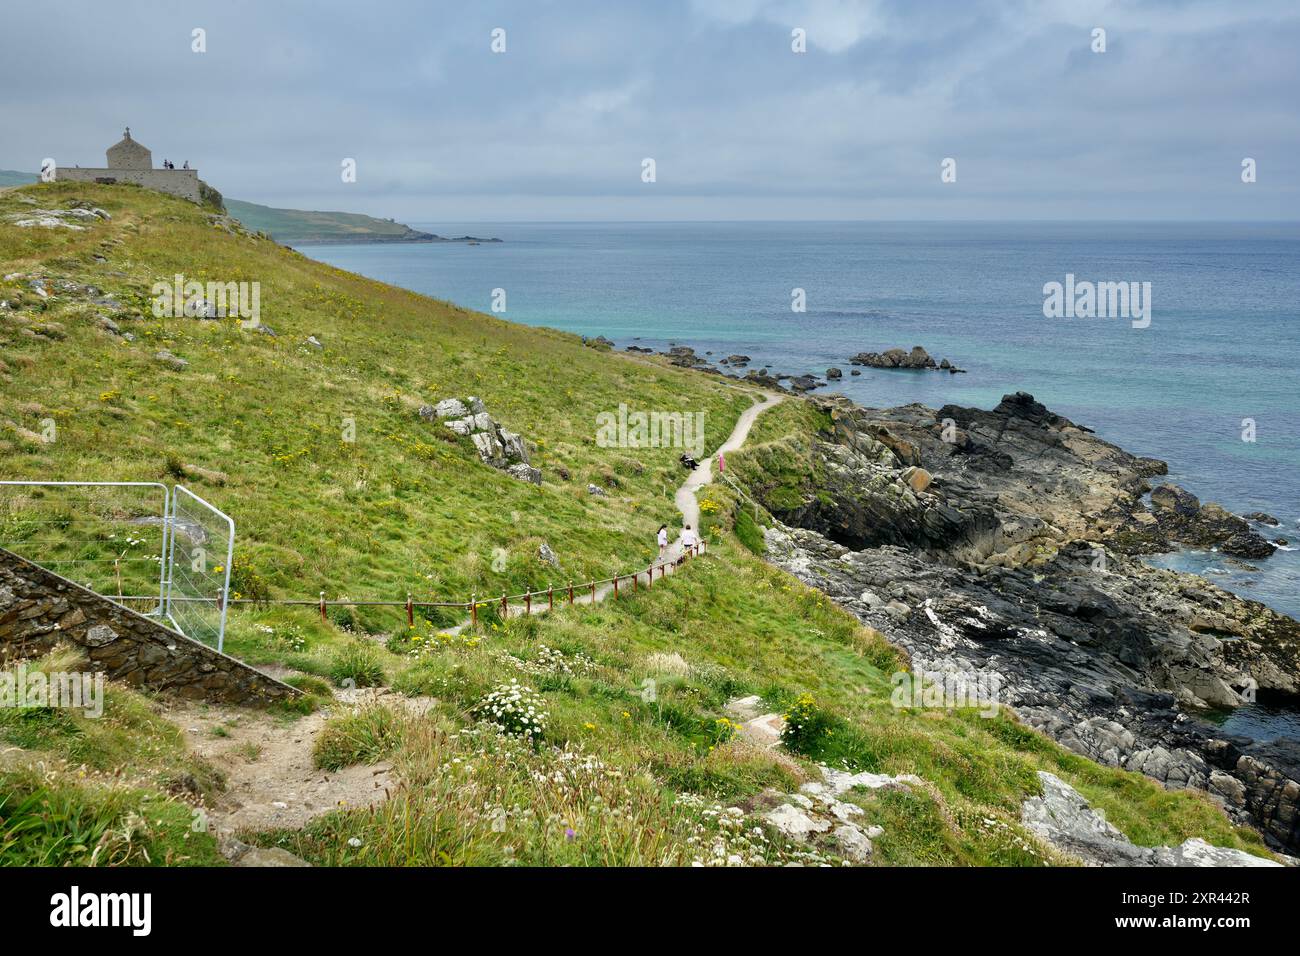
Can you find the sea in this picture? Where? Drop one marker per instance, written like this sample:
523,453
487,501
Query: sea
1209,381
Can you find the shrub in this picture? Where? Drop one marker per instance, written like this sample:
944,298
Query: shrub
309,684
806,726
514,710
362,736
358,663
247,582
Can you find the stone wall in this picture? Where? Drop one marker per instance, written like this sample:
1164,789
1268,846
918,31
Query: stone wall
174,182
39,609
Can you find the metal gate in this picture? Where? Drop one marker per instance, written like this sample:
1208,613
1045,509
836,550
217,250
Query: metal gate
202,548
165,553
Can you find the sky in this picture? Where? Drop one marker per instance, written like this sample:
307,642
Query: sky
739,125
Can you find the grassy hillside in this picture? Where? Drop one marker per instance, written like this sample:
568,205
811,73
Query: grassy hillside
614,775
294,226
406,506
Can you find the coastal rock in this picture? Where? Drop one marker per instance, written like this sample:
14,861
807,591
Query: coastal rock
833,372
1014,563
683,356
804,383
762,378
917,359
1063,818
1181,518
1262,518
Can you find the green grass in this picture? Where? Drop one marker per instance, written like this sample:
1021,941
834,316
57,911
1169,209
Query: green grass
65,823
81,790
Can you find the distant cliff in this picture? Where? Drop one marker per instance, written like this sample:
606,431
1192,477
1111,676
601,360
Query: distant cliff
295,227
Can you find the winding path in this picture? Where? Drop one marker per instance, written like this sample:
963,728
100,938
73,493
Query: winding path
687,503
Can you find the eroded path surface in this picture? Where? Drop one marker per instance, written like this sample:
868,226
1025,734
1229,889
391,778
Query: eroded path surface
272,781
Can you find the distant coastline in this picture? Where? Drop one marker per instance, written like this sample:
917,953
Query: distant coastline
415,236
299,227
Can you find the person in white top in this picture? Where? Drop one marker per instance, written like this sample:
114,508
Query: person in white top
663,540
688,538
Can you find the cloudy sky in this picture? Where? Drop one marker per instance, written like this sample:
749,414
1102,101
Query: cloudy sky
739,125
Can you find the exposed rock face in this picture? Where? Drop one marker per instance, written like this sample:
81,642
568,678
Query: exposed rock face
1063,818
816,813
998,544
495,445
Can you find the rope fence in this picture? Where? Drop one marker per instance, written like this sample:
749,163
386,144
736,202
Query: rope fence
570,593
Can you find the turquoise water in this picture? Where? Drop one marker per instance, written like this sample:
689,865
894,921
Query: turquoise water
1223,344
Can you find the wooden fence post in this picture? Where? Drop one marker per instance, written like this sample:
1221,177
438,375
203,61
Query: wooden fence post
473,612
505,608
570,592
528,602
322,607
550,597
410,611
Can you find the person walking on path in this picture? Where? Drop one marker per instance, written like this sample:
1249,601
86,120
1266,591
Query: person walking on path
662,538
689,540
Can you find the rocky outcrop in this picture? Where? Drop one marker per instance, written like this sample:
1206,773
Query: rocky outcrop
1180,518
496,447
996,544
917,359
1063,818
816,815
40,609
683,356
